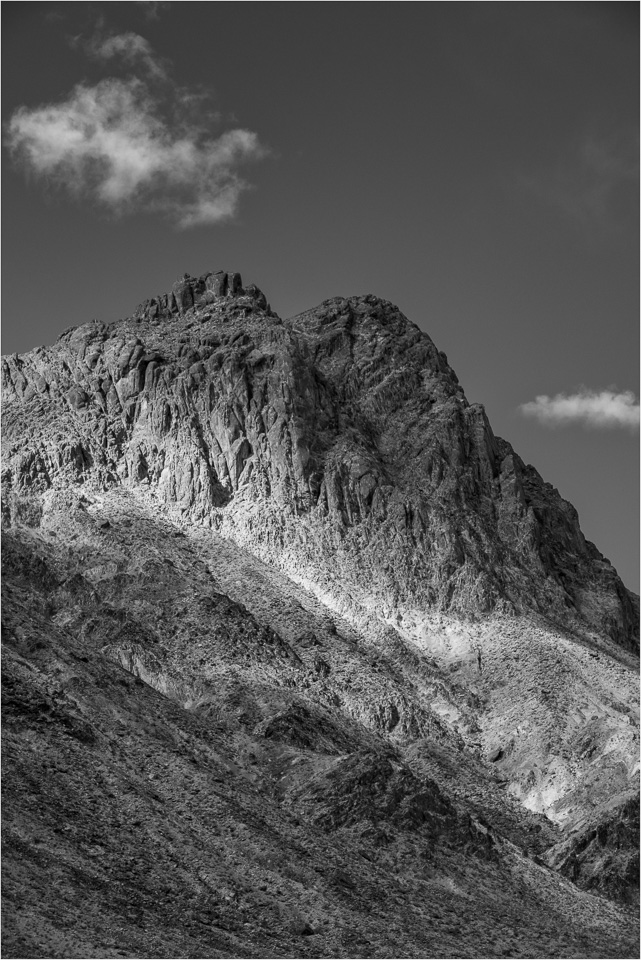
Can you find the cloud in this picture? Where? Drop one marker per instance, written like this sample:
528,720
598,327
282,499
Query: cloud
592,180
54,16
130,48
152,9
589,407
129,148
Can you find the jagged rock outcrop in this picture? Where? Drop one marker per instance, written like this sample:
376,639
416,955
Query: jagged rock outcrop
199,291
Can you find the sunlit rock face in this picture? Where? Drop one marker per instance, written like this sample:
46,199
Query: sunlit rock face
295,647
338,444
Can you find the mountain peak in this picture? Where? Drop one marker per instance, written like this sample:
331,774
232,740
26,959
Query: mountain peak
189,292
281,577
346,415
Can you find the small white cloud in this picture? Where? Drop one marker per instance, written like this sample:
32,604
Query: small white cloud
113,143
589,407
130,48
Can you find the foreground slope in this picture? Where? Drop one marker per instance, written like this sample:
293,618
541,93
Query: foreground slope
371,648
230,792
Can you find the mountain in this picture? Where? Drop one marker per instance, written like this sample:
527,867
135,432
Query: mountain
300,659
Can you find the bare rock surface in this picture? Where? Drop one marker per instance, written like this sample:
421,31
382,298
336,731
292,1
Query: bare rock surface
299,658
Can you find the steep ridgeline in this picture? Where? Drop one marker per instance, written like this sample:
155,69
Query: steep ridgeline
299,659
338,445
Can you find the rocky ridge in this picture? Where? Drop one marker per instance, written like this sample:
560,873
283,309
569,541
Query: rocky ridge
346,418
303,537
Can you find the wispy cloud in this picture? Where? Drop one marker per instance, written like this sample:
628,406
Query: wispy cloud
136,144
588,407
130,48
586,182
153,8
53,16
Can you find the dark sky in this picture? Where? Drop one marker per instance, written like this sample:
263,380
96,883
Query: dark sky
475,163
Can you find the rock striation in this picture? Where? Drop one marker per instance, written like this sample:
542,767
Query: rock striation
338,444
296,648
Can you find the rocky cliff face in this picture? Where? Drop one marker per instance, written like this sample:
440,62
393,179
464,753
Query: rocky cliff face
338,445
340,595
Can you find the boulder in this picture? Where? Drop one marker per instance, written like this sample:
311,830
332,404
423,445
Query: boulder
217,283
257,295
235,285
77,398
183,294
